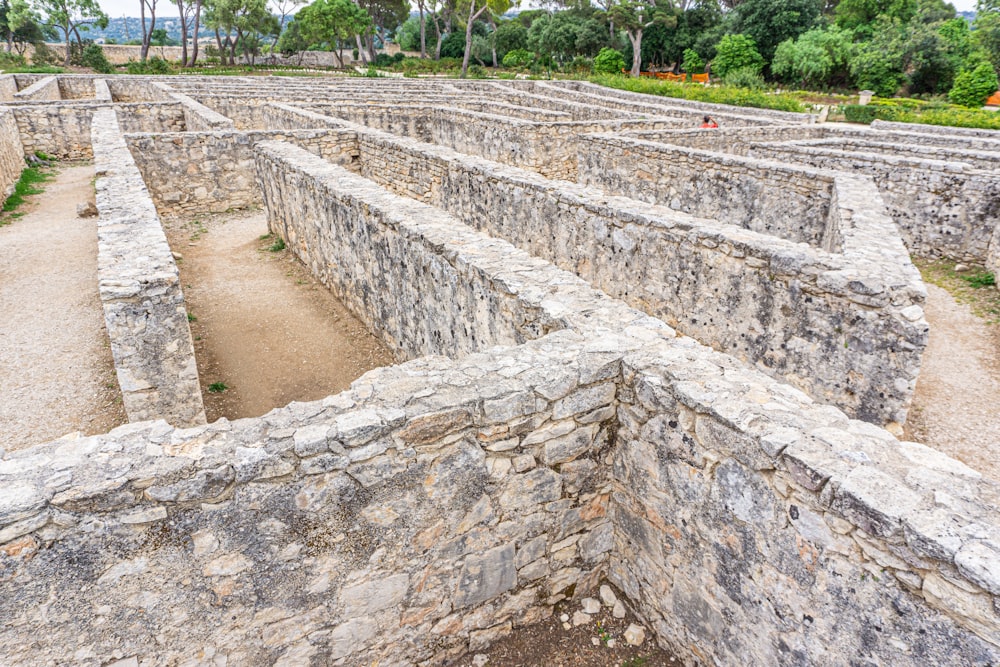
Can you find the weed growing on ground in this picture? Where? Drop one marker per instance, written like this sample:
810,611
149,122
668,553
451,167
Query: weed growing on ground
192,318
277,246
197,228
965,287
29,184
217,387
638,661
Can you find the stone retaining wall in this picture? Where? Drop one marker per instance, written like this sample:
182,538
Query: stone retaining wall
150,117
60,131
8,87
192,173
138,89
46,89
942,209
987,137
11,153
140,290
772,198
77,87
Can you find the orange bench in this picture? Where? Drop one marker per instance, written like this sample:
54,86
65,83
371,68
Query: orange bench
670,76
699,78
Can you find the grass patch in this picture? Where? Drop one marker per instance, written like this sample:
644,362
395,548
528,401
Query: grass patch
741,97
192,317
975,287
29,184
277,246
217,387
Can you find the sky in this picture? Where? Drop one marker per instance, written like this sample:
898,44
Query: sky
119,8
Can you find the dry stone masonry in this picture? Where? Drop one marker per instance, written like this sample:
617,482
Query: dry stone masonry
631,350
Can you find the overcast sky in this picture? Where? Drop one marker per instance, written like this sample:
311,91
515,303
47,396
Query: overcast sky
119,8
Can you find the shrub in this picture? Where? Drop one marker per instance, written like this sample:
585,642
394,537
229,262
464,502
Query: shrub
609,61
398,58
692,63
744,77
93,57
9,60
154,65
972,88
518,58
856,113
736,52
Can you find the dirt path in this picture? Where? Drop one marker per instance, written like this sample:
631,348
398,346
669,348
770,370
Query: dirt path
956,408
263,326
56,370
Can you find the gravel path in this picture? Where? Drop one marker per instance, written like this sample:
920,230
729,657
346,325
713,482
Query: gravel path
262,324
56,369
956,408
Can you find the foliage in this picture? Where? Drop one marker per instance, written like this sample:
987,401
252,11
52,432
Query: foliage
609,61
736,52
981,279
818,57
153,65
927,113
770,22
328,22
744,77
453,45
518,58
973,87
29,184
72,16
693,64
510,36
93,57
637,16
857,113
10,60
743,97
986,36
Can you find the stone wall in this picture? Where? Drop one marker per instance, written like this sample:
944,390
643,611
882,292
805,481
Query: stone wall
140,290
11,153
76,87
137,89
369,527
191,173
8,87
102,93
57,130
986,137
803,314
197,117
547,148
46,89
772,198
748,536
385,256
150,117
942,209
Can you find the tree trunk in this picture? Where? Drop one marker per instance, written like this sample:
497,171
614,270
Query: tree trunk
144,50
636,40
423,30
493,44
65,30
361,51
468,38
184,32
194,37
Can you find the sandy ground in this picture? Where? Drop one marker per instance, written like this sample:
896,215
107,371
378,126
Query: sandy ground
956,408
56,370
262,325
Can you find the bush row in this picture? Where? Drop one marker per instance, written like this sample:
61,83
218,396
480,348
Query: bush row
734,95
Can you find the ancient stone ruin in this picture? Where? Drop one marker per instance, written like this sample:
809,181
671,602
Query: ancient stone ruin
628,349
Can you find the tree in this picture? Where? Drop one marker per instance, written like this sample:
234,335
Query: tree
239,25
771,22
15,16
861,14
510,36
331,22
818,57
72,16
147,30
736,52
693,63
878,64
635,16
972,87
189,12
477,8
986,36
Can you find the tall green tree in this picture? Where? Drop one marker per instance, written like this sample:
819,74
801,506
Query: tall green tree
818,57
71,17
329,23
771,22
634,17
15,15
